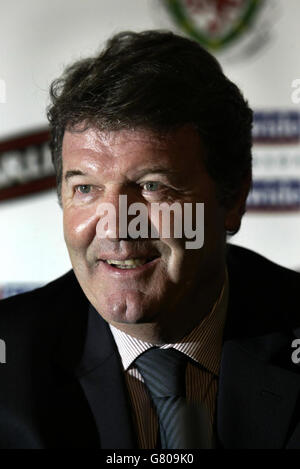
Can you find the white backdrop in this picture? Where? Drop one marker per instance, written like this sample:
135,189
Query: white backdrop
38,38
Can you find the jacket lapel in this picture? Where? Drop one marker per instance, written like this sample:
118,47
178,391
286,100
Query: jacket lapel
107,398
101,377
89,352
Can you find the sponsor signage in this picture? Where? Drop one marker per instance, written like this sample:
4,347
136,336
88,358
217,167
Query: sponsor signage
25,165
276,162
276,127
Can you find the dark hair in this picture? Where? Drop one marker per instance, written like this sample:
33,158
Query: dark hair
157,80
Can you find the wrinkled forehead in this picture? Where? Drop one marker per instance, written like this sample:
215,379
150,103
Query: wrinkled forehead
93,139
176,148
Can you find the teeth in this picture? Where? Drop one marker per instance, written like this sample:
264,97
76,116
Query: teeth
128,263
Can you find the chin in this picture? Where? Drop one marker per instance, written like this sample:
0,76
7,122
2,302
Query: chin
130,307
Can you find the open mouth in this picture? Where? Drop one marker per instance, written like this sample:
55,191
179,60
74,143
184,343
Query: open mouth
129,263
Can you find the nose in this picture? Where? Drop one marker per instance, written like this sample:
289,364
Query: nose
113,216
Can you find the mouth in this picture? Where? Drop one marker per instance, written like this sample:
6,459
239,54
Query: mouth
129,264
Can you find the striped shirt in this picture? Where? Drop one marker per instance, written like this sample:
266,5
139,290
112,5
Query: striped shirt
203,345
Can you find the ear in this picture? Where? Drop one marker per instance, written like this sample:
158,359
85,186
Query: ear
236,211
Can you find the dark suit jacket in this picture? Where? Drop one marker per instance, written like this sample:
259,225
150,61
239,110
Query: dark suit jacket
62,384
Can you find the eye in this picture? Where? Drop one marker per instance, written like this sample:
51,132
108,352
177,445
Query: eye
151,186
83,189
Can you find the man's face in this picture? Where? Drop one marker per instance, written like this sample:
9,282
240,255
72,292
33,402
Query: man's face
100,166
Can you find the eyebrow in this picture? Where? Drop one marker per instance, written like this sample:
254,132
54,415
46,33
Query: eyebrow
74,172
159,170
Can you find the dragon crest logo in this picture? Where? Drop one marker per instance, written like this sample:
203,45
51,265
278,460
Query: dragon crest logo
214,23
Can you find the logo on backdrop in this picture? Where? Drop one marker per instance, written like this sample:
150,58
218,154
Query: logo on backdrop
214,23
276,161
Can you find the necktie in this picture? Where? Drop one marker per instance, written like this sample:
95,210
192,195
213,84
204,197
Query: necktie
181,425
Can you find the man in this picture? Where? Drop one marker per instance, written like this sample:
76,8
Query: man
152,118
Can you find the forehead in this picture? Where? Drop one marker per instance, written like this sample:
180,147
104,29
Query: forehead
131,148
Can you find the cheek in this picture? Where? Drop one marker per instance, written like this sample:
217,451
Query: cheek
79,227
175,257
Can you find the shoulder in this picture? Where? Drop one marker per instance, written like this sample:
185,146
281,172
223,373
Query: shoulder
266,291
258,266
44,307
48,292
